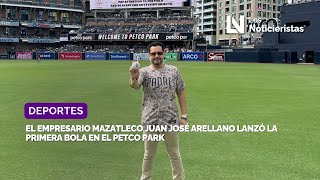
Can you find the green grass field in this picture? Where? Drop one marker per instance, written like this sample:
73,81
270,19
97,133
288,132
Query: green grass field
217,93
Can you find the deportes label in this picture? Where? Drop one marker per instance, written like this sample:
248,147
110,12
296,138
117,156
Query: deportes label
55,110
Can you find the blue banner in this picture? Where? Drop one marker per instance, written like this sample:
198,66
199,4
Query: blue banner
9,23
193,56
9,39
119,56
4,56
47,55
40,40
95,56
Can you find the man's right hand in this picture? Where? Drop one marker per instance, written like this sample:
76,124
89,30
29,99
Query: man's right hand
134,73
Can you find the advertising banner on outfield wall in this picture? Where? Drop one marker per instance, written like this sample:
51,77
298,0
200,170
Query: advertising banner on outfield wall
192,56
140,56
95,56
171,56
12,56
47,55
4,56
131,37
119,56
70,56
216,56
24,55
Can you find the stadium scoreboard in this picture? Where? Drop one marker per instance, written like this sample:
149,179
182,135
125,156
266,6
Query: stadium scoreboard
129,4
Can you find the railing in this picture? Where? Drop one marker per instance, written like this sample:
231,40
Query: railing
50,22
9,19
8,36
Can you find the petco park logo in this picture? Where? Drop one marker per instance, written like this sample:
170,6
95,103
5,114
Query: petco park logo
258,25
176,37
80,37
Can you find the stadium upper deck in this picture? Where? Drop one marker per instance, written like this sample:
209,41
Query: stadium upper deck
34,24
37,22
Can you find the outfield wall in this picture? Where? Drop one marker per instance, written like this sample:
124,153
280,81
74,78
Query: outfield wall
210,56
258,56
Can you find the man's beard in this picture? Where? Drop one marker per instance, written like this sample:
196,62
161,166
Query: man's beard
157,62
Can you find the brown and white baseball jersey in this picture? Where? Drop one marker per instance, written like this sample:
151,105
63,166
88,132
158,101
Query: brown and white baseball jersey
159,105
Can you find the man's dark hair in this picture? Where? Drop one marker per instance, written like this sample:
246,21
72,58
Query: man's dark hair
156,44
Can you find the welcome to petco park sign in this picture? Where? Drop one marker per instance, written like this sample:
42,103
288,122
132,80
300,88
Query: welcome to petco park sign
133,37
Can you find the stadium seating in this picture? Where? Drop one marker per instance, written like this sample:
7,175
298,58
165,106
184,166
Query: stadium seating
139,24
98,29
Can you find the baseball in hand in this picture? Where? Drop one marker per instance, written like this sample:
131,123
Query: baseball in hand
135,65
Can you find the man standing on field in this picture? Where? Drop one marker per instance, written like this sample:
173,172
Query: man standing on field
161,83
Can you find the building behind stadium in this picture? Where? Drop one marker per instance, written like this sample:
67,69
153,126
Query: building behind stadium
213,18
299,13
